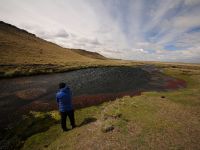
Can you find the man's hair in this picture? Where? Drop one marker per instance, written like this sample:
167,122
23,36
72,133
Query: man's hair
62,85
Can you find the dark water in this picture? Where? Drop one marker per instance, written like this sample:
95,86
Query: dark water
86,81
91,86
16,93
19,96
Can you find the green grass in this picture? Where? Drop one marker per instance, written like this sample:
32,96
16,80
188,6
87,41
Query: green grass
83,117
141,122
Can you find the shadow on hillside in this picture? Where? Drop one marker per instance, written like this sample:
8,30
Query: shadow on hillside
87,121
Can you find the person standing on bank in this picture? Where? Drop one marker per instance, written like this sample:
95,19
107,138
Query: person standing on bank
64,101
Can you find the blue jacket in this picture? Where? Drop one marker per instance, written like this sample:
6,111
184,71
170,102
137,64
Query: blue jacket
64,99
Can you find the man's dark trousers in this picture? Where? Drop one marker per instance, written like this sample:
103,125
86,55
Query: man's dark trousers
64,115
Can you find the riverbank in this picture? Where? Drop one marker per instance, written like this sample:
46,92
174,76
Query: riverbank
153,120
18,70
89,86
28,95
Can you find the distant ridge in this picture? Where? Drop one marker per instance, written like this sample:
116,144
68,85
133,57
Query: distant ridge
94,55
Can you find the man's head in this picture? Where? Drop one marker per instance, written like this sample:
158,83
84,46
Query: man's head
62,85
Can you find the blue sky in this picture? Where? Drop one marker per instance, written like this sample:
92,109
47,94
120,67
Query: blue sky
151,30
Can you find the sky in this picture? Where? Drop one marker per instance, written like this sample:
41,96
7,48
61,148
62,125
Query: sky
146,30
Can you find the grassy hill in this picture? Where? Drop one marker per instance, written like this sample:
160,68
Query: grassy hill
17,46
23,53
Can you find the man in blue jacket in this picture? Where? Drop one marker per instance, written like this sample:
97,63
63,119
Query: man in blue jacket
64,100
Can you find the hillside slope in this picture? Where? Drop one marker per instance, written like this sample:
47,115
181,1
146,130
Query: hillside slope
94,55
17,46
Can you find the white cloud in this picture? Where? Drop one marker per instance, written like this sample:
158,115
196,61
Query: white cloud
191,2
138,29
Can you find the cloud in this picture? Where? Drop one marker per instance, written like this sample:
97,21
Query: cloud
191,2
156,30
61,34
